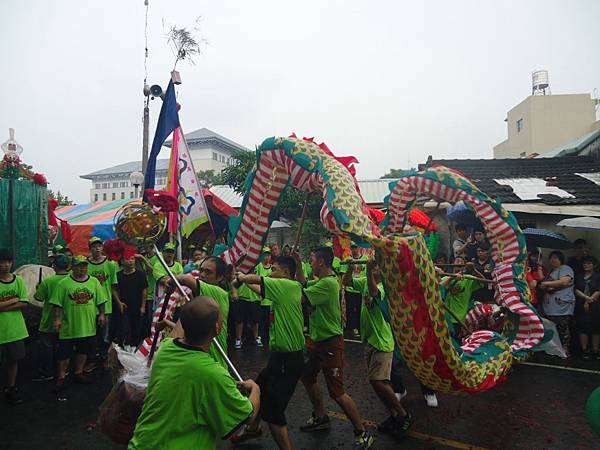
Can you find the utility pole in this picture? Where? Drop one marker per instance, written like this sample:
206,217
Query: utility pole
146,134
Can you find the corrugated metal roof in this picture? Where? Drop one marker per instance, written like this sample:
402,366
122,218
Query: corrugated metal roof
228,195
373,191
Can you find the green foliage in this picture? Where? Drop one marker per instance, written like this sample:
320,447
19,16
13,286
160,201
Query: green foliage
208,178
235,174
291,203
395,173
63,200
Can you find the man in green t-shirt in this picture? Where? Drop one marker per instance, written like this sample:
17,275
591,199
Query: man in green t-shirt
48,335
245,309
192,400
459,292
378,342
105,271
77,300
146,262
212,274
325,347
160,274
353,297
13,298
263,269
278,380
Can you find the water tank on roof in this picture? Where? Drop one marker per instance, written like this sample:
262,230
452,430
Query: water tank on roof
539,81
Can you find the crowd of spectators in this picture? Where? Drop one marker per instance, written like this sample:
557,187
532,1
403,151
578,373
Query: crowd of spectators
565,291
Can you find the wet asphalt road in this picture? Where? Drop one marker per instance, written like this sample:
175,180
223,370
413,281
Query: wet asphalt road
537,408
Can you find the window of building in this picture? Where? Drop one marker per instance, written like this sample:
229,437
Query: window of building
131,194
105,185
124,184
95,197
104,196
97,185
115,184
215,156
122,195
114,196
519,125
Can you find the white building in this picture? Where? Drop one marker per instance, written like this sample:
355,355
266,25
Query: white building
209,151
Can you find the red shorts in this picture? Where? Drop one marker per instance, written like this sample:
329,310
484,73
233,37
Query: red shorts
326,355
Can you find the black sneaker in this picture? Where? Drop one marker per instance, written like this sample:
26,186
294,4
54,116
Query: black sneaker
90,367
12,395
364,441
59,387
80,378
315,423
388,426
403,424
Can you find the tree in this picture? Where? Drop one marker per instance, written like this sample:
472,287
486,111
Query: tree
208,178
395,173
235,174
291,203
63,200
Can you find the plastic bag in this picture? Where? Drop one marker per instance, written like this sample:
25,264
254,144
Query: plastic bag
553,346
121,408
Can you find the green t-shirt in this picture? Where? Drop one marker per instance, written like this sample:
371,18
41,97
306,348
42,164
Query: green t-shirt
374,329
247,294
338,267
325,320
286,333
361,271
222,298
106,273
12,324
459,297
191,401
307,269
159,271
263,271
79,301
43,294
150,279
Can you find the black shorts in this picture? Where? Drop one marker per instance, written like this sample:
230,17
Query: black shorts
244,311
79,346
12,351
277,383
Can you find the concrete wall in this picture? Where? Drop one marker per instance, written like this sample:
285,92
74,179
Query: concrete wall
548,121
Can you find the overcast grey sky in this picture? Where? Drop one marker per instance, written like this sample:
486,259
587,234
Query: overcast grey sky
387,81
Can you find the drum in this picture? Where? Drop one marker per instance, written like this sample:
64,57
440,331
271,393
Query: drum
33,274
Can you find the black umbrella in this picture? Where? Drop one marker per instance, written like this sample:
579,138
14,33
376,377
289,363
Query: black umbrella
538,237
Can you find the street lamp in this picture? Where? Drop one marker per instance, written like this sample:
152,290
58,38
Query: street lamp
136,178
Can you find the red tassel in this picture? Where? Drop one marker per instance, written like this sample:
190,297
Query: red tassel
114,249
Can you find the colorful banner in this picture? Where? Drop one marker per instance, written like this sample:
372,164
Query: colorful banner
192,208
